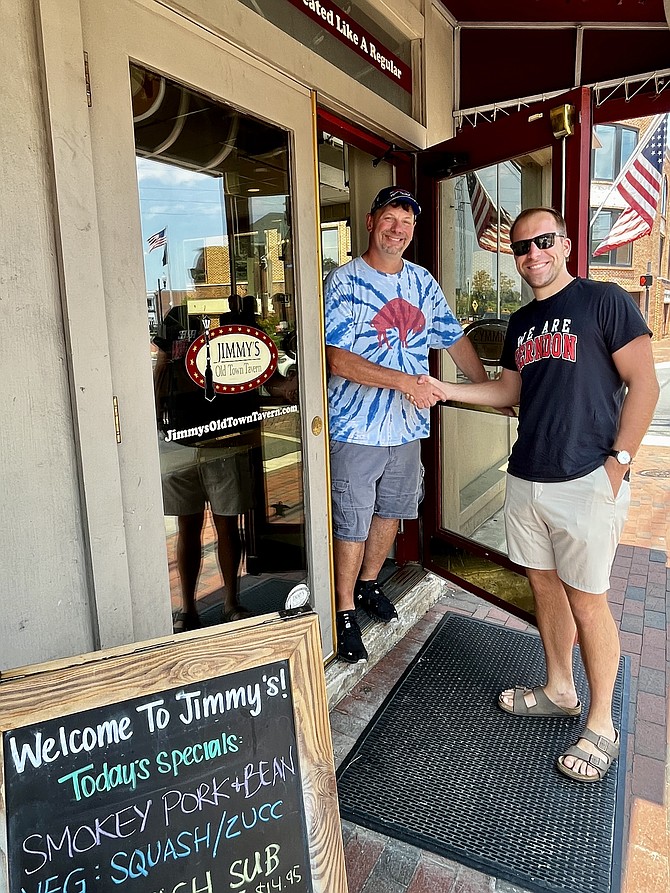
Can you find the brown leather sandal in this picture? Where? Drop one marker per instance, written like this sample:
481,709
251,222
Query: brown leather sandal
183,621
543,705
608,749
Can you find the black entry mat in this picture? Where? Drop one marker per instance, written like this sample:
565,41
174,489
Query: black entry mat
442,768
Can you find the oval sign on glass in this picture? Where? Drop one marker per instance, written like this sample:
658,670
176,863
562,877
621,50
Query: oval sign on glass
487,336
241,358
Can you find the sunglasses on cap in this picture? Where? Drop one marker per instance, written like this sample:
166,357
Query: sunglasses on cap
546,240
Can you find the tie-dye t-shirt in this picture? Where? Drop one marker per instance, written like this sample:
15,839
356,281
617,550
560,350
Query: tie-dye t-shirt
391,320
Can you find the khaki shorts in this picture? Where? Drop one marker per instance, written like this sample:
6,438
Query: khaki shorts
572,527
192,477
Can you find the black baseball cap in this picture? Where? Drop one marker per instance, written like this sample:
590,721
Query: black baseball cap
391,194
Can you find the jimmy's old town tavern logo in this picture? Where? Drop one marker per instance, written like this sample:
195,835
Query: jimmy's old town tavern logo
231,360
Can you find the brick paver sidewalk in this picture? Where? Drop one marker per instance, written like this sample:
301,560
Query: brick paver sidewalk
640,600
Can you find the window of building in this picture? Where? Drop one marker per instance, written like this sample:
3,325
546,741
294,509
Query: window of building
618,257
661,249
664,197
347,175
613,146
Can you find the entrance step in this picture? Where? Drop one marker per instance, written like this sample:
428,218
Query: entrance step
413,591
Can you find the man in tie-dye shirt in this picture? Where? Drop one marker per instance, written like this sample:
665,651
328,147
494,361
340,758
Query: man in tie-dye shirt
383,314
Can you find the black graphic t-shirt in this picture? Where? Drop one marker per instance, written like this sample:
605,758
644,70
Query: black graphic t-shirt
571,392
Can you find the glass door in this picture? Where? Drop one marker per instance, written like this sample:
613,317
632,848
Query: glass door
215,200
206,189
473,210
477,269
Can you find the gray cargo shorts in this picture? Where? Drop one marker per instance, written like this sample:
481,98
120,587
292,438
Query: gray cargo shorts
372,480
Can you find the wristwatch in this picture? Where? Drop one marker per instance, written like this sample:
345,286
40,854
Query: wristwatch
623,457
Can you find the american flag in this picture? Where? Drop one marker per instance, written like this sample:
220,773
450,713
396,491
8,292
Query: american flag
485,217
640,187
157,240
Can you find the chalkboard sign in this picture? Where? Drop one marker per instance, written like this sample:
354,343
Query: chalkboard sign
205,783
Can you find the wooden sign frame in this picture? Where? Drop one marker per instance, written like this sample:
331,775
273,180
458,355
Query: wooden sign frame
44,692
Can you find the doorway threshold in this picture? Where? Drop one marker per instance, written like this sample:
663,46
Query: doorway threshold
414,591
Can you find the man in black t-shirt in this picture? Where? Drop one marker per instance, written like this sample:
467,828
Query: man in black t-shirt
578,362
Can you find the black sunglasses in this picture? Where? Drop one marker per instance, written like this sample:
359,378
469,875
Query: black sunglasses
546,240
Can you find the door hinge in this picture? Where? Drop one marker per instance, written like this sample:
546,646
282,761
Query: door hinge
117,421
87,77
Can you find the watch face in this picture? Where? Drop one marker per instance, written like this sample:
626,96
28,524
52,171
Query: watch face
623,457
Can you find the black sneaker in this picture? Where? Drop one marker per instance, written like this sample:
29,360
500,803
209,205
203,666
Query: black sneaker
370,596
350,645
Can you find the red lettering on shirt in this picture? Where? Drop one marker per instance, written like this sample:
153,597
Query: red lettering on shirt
558,346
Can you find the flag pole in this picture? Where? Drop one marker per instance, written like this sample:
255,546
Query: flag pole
166,265
159,309
651,130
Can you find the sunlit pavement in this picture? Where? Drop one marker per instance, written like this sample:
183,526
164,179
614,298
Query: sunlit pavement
640,601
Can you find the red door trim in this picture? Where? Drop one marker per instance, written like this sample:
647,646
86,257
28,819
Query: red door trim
368,142
578,183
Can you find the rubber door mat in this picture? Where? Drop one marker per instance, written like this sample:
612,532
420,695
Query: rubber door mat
442,768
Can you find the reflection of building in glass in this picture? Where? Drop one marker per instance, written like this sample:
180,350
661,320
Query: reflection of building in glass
486,201
335,245
481,276
258,268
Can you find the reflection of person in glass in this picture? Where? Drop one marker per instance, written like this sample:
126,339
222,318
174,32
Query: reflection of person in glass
214,471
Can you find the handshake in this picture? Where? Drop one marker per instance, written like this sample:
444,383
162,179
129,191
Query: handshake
427,391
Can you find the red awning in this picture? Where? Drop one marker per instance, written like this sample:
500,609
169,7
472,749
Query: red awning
541,47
